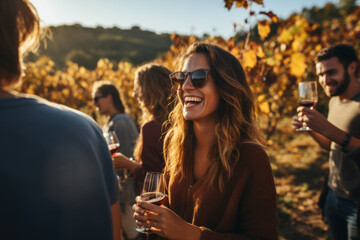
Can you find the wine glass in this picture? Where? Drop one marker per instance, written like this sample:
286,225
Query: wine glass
308,97
112,142
153,192
114,145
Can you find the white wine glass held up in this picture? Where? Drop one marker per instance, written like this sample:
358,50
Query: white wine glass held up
308,97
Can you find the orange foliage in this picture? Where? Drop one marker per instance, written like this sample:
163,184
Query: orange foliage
273,68
264,29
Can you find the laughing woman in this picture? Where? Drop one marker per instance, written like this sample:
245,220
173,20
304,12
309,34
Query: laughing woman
219,179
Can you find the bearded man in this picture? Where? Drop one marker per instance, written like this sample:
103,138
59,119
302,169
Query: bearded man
337,68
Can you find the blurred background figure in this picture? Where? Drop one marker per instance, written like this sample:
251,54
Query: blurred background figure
219,180
152,88
56,174
107,99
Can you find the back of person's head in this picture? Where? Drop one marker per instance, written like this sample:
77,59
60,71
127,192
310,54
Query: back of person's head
154,87
345,53
106,88
19,31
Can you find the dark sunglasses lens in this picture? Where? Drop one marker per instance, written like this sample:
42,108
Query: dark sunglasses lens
96,99
198,78
177,79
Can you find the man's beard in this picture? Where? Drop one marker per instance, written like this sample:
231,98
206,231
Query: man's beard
343,85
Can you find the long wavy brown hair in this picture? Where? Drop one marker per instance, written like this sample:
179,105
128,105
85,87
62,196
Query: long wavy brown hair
19,32
154,87
235,119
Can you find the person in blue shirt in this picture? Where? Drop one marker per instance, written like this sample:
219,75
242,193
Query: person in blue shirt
56,173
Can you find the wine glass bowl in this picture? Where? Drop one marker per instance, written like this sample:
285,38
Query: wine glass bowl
112,142
153,192
308,97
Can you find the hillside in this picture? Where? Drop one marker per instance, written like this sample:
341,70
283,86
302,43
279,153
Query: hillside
84,45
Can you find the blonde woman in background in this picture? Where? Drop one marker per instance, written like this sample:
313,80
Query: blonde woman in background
152,88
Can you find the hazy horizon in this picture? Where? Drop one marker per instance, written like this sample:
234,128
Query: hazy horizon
183,17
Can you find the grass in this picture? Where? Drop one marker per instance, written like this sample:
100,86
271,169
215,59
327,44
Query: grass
299,166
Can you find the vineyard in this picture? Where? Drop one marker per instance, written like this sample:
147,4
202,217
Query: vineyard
274,65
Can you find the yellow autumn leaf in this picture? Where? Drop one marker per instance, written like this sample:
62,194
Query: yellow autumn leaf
285,36
299,41
100,63
297,64
260,2
264,107
301,23
318,47
250,58
241,3
84,84
278,58
261,97
82,71
287,61
192,39
270,61
65,92
264,29
260,52
235,51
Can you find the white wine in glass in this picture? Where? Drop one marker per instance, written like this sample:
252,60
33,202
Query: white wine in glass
308,97
153,192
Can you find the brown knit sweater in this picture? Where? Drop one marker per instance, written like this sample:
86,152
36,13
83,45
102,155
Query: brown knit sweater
246,209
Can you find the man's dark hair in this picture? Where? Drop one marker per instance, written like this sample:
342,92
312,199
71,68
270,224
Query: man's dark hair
343,52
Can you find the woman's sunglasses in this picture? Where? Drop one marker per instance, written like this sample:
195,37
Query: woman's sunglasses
198,78
96,98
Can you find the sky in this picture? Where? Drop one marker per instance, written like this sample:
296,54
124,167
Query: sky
184,17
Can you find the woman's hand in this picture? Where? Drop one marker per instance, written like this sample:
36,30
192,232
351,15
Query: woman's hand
164,222
121,161
139,213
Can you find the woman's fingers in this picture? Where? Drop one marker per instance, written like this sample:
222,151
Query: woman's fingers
138,199
139,215
151,215
138,209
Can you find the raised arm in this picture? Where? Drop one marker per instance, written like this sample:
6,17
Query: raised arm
326,132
